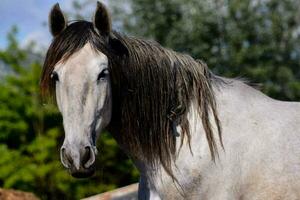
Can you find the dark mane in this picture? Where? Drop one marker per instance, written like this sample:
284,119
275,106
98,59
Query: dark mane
153,89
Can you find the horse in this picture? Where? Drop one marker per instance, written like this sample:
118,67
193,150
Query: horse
190,133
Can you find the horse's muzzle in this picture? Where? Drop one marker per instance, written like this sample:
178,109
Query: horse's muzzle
82,173
79,161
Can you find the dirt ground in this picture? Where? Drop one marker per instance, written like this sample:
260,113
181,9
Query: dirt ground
16,195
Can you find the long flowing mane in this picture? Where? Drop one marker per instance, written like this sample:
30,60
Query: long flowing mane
152,87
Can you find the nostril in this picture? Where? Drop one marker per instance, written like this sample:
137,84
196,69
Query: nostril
65,160
88,157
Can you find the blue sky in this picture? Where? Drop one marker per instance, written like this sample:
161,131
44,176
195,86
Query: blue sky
30,16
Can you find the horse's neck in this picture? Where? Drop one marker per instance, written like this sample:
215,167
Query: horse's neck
198,145
192,160
229,93
185,152
186,166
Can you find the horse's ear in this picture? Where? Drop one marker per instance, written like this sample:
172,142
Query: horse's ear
117,46
102,21
57,21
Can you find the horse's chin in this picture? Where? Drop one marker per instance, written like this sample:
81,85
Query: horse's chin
82,173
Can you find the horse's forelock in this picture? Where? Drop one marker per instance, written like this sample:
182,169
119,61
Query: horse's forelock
71,40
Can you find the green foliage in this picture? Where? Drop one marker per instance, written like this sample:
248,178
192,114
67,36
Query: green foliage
31,135
254,39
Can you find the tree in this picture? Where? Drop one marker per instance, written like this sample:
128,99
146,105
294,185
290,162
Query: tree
254,39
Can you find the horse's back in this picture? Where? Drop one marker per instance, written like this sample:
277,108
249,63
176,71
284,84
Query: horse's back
262,146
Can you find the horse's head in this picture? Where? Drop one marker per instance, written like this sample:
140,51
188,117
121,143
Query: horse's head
84,98
81,80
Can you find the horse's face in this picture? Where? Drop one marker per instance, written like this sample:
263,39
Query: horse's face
83,96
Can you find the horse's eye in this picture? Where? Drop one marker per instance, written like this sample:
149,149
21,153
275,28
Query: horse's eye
103,74
54,76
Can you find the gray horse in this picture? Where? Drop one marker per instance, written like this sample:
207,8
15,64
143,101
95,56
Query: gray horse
191,134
